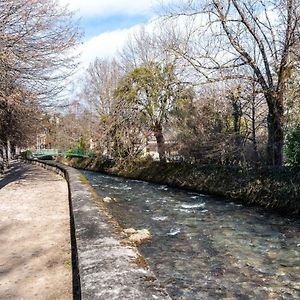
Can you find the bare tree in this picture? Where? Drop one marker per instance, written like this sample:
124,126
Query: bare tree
37,38
292,108
255,114
144,47
101,80
19,123
36,42
226,34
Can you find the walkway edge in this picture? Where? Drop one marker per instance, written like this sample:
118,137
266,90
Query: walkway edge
105,264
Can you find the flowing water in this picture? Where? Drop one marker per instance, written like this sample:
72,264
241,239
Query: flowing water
208,248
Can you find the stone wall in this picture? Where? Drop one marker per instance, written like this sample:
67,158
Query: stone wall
274,188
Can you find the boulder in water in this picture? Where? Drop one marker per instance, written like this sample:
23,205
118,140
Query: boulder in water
139,236
130,231
107,199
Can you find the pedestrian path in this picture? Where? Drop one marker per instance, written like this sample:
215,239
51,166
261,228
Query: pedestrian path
35,250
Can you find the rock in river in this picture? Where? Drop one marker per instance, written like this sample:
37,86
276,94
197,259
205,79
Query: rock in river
130,231
107,199
138,236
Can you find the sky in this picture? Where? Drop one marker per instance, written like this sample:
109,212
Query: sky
107,24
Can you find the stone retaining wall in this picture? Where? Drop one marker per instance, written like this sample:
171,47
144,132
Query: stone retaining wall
106,264
274,188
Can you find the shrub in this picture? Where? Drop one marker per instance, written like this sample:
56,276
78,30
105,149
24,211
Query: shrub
26,154
292,146
75,152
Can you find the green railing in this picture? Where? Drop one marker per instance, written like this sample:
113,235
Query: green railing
47,152
56,152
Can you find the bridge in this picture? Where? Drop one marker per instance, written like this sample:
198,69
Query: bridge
40,153
47,152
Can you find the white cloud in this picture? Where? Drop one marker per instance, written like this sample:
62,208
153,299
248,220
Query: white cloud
92,8
105,45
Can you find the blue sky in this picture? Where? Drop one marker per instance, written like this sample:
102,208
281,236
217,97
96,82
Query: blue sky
94,26
107,24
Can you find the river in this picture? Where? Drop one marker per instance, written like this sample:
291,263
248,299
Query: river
204,247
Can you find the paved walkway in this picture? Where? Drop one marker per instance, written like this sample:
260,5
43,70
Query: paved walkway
35,255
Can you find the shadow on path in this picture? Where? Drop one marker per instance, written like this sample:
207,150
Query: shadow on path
20,171
14,173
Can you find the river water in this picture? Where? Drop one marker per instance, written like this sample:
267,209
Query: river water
208,248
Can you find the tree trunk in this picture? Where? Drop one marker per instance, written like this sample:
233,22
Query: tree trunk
161,149
5,158
275,130
237,116
9,154
253,126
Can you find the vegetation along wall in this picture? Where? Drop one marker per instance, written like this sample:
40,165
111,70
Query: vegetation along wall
275,188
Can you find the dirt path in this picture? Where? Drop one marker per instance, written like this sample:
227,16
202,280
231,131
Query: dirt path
35,255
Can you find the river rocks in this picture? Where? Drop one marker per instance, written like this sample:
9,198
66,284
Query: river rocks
107,199
130,231
138,236
272,255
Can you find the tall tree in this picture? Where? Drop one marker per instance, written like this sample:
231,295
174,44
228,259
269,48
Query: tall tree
37,37
154,90
19,123
228,31
102,77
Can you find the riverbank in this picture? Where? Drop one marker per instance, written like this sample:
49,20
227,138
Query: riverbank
274,188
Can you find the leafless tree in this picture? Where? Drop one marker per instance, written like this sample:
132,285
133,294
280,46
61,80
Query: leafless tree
36,42
19,123
102,77
101,80
37,38
220,46
292,108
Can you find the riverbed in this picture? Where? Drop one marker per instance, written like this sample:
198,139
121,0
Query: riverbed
205,247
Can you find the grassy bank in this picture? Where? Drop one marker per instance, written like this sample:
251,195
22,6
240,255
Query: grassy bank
276,188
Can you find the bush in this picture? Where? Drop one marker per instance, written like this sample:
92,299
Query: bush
292,146
75,152
26,154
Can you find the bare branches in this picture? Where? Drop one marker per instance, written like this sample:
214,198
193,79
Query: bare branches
289,42
36,39
101,80
259,42
237,46
260,37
